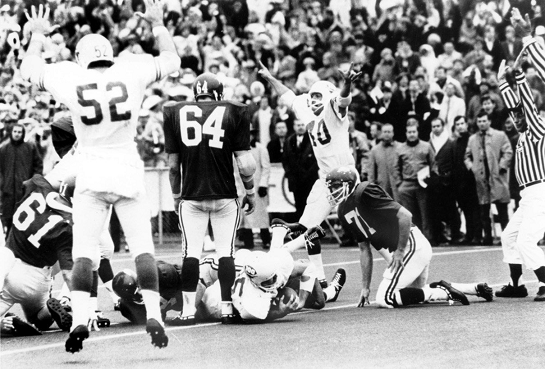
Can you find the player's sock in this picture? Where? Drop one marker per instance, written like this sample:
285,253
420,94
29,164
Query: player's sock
226,276
540,274
314,249
64,293
190,274
80,308
82,280
226,308
152,301
516,272
466,288
113,296
189,309
278,235
409,296
105,271
93,304
94,285
434,294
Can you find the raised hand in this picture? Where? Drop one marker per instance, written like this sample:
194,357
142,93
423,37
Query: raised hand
523,27
350,75
38,22
502,70
154,12
263,71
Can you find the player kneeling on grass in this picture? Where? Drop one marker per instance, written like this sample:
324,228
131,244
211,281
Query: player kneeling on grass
376,219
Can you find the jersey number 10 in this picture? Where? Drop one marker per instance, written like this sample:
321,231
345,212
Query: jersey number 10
322,133
120,96
193,133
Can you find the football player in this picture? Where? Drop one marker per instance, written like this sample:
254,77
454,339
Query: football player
104,98
202,137
324,111
376,219
40,237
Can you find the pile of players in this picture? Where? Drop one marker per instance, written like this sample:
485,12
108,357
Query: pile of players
63,220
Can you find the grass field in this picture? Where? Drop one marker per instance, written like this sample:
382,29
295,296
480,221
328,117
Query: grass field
505,333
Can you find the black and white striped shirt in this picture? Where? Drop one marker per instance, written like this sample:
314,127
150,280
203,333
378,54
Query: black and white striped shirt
530,151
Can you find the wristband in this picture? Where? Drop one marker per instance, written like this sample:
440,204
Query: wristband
344,101
158,30
38,37
176,196
250,192
247,179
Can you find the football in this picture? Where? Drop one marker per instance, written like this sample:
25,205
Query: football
285,294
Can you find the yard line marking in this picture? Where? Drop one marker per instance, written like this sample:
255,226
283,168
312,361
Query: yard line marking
169,329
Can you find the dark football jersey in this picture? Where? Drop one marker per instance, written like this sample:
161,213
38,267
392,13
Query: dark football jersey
206,134
371,215
42,227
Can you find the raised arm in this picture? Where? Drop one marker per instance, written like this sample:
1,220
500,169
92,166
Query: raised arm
278,86
168,58
345,97
536,125
523,29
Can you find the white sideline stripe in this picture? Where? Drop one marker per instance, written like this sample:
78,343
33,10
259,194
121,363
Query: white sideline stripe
446,253
169,329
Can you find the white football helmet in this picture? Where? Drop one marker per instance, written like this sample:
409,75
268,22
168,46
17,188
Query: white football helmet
262,269
326,90
92,48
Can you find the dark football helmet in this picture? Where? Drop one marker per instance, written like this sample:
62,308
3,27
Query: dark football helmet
341,182
125,285
208,85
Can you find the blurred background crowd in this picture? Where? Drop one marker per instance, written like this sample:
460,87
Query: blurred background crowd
421,60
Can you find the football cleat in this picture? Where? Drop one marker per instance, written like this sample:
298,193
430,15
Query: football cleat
101,320
294,229
59,314
182,321
74,343
23,328
540,294
338,282
485,291
453,293
510,291
230,319
157,333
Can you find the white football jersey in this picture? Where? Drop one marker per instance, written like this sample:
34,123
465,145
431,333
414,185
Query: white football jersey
105,105
328,132
251,302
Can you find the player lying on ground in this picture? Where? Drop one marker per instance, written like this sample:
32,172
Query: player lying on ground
253,298
376,219
324,112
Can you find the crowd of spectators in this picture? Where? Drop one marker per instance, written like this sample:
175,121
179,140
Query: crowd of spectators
421,60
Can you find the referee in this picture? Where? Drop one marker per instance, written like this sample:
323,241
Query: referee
526,227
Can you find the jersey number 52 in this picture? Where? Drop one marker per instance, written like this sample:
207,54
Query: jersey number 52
118,93
193,132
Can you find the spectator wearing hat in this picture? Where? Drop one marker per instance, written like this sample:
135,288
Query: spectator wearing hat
475,104
259,218
19,161
406,60
384,110
416,105
497,117
492,45
300,166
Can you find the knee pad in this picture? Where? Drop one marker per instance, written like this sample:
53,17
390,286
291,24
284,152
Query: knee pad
190,274
91,253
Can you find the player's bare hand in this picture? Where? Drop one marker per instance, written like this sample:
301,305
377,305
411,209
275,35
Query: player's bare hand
38,22
154,12
397,261
502,70
364,297
6,324
290,306
520,59
523,26
351,75
263,71
250,201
